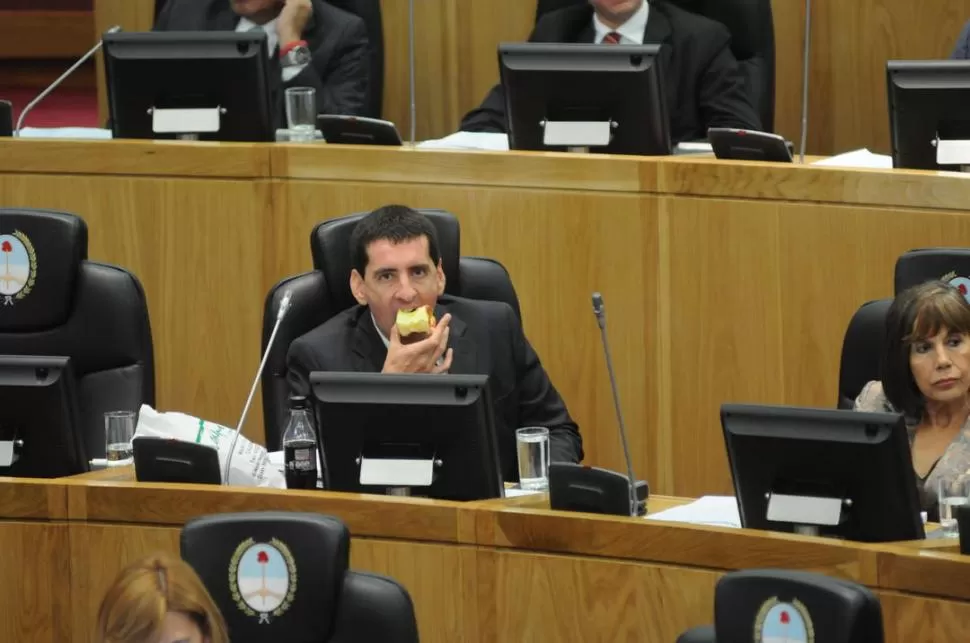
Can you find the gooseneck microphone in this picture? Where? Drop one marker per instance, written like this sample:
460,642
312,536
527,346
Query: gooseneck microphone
60,79
806,64
412,69
280,314
599,309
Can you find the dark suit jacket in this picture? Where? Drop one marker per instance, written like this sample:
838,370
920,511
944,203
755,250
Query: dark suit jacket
486,338
703,85
336,38
961,51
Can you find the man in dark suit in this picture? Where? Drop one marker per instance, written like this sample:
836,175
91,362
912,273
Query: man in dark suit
316,45
961,50
397,265
703,84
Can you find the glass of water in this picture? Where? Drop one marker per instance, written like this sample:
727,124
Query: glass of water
532,444
952,491
119,429
301,113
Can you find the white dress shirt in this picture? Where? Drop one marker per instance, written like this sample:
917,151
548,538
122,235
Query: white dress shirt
272,42
631,31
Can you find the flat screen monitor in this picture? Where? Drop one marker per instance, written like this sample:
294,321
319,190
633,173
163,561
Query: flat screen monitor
39,417
424,435
167,85
928,99
838,473
555,85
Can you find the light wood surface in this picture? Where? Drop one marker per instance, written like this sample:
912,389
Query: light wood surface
45,34
489,571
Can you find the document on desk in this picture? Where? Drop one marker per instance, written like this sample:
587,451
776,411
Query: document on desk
715,511
488,141
858,158
66,132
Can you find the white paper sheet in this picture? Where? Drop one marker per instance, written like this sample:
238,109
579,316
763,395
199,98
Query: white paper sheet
717,511
489,141
65,132
858,158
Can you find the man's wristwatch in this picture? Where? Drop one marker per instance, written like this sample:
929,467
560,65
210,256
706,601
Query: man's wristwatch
295,54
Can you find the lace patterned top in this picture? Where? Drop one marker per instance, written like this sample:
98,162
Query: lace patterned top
954,461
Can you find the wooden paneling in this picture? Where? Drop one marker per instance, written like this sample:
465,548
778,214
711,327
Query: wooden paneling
34,582
130,15
45,34
32,499
556,599
908,619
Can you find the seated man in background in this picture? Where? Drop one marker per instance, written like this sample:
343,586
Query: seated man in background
961,51
397,265
703,84
317,45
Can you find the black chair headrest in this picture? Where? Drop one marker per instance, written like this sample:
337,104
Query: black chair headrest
789,605
40,256
276,576
862,350
927,264
330,247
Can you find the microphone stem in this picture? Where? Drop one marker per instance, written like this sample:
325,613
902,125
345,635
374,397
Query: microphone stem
60,79
806,64
252,393
619,415
411,63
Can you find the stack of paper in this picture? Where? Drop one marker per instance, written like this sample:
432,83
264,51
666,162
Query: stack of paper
65,132
859,158
717,511
488,141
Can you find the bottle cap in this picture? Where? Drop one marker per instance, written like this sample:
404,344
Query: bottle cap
298,402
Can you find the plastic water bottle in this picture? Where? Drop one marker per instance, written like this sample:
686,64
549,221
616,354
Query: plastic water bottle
300,447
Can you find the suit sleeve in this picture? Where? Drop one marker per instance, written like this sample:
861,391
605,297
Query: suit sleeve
300,362
489,116
164,17
962,49
539,402
340,80
723,100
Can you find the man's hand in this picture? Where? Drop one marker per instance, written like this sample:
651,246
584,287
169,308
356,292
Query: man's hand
421,356
292,20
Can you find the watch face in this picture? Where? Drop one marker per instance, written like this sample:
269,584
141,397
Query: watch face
299,55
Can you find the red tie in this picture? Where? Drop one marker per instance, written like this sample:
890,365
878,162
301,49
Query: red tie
611,38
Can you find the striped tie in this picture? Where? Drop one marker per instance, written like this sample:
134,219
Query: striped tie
611,38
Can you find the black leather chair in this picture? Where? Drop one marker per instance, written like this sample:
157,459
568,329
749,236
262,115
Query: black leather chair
752,41
862,350
285,577
370,12
319,295
768,604
926,264
93,313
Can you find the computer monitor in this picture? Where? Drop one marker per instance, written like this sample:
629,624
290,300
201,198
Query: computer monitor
585,97
189,85
839,473
928,99
408,434
40,433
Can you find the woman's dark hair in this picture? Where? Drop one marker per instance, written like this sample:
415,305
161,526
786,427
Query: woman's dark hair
917,313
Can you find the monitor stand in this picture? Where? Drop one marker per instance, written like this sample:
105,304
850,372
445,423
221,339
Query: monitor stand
10,452
186,124
577,136
953,152
806,513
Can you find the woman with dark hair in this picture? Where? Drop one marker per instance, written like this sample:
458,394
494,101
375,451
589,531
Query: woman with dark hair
925,375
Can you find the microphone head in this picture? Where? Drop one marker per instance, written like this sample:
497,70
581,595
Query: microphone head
284,304
114,29
597,303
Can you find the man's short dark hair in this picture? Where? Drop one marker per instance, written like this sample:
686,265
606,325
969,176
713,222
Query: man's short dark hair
395,223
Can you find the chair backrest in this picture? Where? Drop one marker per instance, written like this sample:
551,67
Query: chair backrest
370,12
319,295
862,350
791,605
53,301
926,264
751,25
279,576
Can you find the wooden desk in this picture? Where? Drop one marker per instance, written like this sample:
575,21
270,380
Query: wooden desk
723,281
477,572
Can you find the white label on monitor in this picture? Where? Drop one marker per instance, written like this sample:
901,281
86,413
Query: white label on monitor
6,453
576,133
804,510
185,121
396,473
952,152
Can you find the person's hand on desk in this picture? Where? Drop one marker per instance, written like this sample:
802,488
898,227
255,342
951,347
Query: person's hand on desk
429,355
293,20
